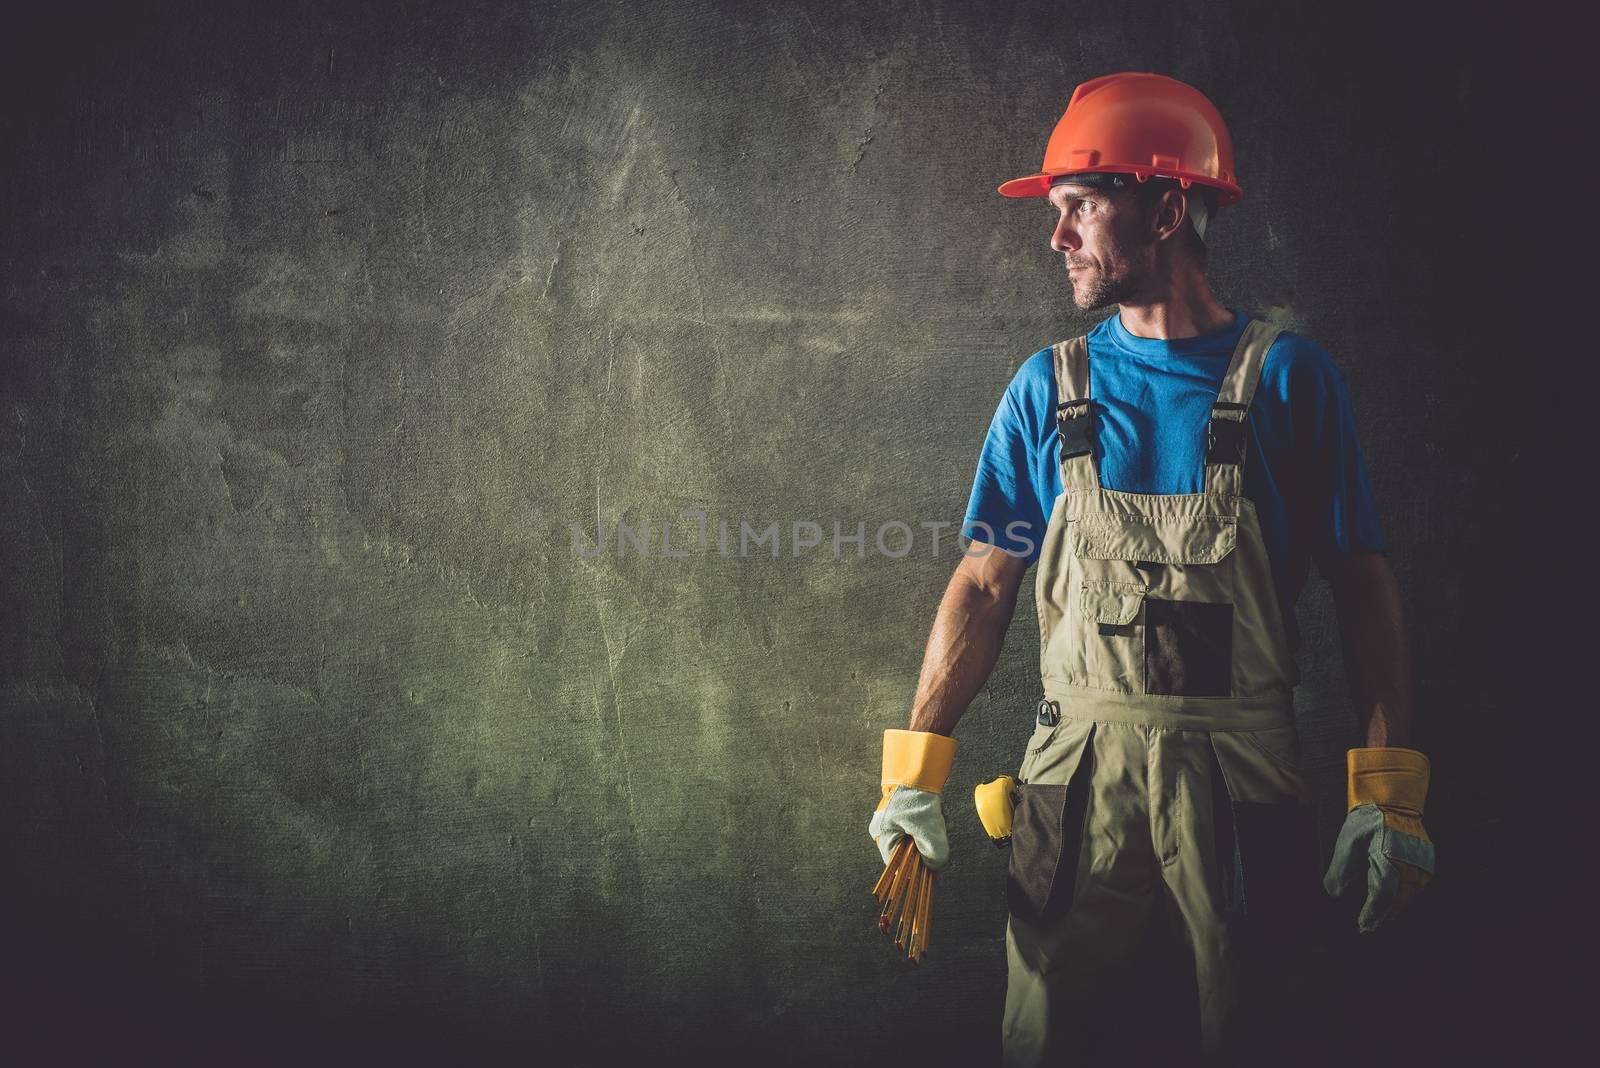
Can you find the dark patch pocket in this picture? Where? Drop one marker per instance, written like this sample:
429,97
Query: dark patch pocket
1046,837
1188,648
1267,854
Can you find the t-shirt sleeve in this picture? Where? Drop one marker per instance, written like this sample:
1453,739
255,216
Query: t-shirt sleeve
1336,511
1004,508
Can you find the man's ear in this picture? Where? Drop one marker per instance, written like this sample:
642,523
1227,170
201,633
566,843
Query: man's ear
1171,214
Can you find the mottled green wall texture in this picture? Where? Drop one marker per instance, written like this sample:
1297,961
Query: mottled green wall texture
325,325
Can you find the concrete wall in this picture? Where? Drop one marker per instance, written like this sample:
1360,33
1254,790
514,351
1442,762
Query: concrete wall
323,325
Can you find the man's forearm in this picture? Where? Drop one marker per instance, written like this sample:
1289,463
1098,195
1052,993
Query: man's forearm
1376,652
965,642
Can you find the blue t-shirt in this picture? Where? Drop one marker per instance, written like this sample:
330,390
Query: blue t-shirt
1303,469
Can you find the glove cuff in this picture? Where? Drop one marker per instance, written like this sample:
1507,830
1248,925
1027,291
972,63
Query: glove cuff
917,758
1389,777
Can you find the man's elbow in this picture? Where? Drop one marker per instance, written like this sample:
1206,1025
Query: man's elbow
1365,591
1357,570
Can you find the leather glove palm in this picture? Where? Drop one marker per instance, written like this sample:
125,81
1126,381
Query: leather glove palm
1383,833
915,766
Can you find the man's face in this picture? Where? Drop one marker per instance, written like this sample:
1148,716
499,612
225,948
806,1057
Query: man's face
1101,234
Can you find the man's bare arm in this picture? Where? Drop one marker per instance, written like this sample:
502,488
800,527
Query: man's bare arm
1377,655
968,631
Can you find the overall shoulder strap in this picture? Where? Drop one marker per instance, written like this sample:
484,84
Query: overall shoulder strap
1227,433
1075,415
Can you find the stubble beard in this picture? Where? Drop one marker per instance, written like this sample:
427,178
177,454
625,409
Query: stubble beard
1093,288
1117,278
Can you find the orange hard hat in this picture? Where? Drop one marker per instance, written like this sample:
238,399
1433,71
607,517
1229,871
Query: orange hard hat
1147,125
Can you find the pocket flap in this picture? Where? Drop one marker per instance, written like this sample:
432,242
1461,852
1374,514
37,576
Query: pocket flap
1201,539
1262,766
1115,603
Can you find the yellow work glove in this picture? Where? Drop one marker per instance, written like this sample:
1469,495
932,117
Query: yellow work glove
1383,833
915,766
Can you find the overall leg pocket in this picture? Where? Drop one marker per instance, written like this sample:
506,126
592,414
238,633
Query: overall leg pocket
1047,827
1265,827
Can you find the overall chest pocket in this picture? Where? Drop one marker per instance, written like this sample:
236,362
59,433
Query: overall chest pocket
1153,604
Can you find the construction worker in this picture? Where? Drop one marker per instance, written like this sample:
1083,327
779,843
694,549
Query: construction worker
1173,474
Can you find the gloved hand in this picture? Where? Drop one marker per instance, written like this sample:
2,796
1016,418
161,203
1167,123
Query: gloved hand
1383,833
915,766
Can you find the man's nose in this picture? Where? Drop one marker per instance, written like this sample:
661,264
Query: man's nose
1064,239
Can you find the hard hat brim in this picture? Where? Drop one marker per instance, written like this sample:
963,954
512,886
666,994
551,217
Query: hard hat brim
1038,185
1032,185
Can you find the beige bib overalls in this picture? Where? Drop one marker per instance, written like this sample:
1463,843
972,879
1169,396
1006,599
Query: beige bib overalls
1164,764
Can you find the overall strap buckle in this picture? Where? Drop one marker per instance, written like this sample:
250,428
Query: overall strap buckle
1049,712
1073,423
1225,435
